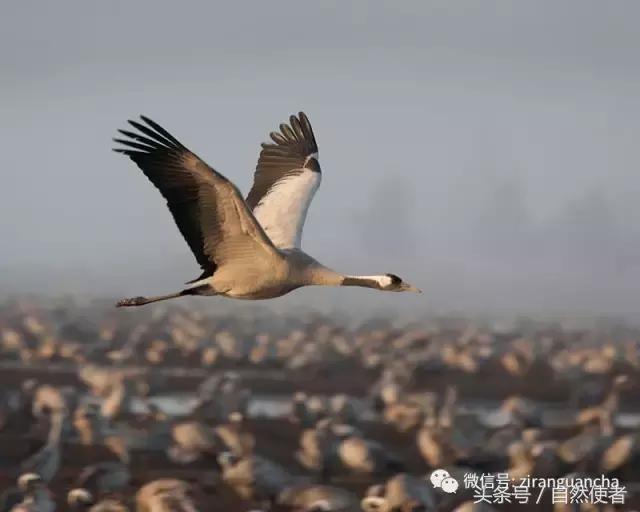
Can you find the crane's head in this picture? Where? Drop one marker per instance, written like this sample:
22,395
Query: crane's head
384,282
393,283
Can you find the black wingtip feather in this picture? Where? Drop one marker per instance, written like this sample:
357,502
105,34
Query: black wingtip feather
297,128
286,130
157,138
278,138
146,140
174,170
293,140
161,131
152,144
135,145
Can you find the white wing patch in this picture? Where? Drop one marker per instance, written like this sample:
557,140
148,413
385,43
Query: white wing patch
283,210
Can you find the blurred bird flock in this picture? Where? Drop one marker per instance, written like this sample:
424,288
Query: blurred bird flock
174,408
487,148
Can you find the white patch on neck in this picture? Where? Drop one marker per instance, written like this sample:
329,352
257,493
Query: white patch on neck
383,280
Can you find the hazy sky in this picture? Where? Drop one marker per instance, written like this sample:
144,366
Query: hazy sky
487,151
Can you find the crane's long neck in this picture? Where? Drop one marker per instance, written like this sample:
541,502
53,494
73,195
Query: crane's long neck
315,273
55,430
377,282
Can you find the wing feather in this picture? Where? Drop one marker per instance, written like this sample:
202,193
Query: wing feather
286,179
207,208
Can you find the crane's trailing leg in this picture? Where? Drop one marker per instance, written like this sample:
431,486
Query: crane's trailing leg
141,301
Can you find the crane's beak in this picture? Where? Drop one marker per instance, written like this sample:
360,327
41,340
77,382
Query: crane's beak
406,287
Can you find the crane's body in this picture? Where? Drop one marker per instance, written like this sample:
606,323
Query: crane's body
246,249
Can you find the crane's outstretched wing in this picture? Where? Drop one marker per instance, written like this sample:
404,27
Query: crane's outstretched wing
207,208
286,179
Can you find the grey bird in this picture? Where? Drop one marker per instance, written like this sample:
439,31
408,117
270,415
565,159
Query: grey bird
401,492
48,399
317,497
165,495
247,249
192,440
46,461
26,485
255,477
36,497
365,456
81,500
111,475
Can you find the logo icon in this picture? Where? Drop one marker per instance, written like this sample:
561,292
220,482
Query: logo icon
442,479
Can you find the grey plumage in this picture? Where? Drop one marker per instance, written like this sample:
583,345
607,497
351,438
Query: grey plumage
308,496
46,461
35,497
111,475
246,250
255,477
165,495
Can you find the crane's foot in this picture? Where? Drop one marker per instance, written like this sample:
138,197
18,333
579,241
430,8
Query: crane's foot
133,301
